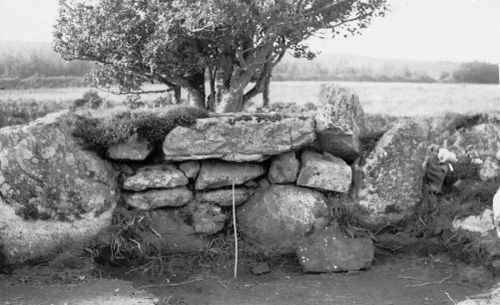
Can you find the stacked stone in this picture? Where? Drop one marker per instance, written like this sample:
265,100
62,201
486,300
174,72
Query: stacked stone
283,169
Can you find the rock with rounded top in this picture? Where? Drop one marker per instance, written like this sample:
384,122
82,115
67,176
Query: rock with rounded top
190,168
54,193
216,174
160,198
155,176
388,182
224,197
239,137
284,168
133,149
169,231
489,169
331,251
278,217
324,172
340,121
207,218
482,140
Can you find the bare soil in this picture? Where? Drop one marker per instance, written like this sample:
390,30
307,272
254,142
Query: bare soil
403,280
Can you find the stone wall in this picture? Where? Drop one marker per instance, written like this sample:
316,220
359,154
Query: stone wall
286,171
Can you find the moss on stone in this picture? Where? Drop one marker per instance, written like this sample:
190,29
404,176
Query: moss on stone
151,126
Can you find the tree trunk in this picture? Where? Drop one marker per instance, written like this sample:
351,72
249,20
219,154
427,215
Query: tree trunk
196,90
177,95
196,97
231,101
265,92
212,97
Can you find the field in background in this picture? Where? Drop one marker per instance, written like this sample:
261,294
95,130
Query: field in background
408,99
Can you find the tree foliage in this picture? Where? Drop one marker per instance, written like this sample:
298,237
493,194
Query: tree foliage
181,43
477,72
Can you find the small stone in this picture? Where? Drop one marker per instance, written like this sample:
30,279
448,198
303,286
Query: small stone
489,169
208,219
216,174
324,172
330,251
224,198
284,168
134,150
480,223
156,176
261,268
68,261
153,199
190,168
169,231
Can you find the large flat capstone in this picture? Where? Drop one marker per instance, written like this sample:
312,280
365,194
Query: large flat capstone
239,137
53,194
279,216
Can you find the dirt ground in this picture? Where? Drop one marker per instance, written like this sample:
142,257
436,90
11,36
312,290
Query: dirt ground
392,280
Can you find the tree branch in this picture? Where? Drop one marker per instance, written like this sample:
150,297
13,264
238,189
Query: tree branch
311,12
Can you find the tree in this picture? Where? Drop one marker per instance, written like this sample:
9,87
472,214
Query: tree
477,72
234,44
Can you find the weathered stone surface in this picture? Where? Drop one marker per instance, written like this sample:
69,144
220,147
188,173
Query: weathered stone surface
339,122
388,183
238,137
491,298
325,172
278,217
261,268
496,211
207,218
284,168
134,149
170,232
483,138
480,223
376,124
331,251
190,168
215,174
53,193
490,169
153,199
155,176
224,198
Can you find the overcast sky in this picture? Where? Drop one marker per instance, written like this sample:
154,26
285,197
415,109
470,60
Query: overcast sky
455,30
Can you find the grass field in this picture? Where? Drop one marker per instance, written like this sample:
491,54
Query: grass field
409,99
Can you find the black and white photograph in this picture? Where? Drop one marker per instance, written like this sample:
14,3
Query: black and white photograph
249,152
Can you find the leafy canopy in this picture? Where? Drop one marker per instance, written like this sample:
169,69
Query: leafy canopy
176,42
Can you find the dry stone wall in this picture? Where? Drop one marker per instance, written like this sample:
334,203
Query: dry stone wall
283,168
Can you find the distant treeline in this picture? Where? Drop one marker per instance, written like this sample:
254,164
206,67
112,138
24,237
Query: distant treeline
345,68
41,65
24,65
35,82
